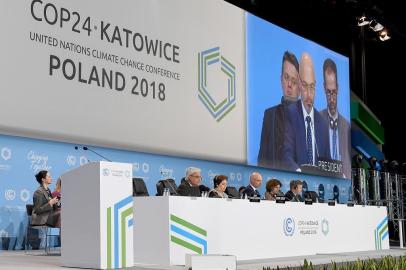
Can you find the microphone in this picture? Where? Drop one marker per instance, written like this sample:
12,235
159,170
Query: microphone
203,188
88,149
77,148
316,157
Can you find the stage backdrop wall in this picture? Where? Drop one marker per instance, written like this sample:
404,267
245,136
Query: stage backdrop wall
127,75
148,76
21,158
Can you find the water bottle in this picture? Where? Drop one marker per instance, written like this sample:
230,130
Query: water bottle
166,192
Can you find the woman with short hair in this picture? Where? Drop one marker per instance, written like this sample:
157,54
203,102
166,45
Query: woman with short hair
220,185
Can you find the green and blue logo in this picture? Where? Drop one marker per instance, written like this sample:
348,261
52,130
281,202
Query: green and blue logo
188,235
217,108
380,233
119,220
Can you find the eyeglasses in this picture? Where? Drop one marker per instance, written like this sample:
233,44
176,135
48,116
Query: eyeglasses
331,93
196,176
287,78
308,87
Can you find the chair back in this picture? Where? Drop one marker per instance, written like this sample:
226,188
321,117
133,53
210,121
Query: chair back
232,192
139,188
166,183
311,195
29,208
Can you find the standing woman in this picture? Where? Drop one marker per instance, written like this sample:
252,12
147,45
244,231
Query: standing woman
45,211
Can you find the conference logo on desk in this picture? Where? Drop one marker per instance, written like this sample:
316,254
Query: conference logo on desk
106,172
325,227
188,235
212,58
119,221
289,226
381,232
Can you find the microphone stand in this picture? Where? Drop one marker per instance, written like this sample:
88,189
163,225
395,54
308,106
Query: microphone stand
88,149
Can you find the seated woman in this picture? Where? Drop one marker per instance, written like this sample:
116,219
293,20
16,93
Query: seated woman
273,188
57,191
220,185
45,211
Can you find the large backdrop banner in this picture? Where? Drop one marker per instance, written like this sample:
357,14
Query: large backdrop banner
164,85
154,76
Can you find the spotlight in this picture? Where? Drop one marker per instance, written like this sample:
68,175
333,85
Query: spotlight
374,25
362,21
383,35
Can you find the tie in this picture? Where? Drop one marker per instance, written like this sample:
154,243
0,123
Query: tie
335,144
257,193
309,141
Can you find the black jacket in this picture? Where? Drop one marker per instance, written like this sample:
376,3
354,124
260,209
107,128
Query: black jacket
185,189
290,196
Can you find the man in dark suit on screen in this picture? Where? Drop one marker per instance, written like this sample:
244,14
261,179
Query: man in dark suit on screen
306,137
339,129
273,125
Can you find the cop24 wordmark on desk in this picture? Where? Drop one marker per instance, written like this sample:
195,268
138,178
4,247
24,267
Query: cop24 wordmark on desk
217,108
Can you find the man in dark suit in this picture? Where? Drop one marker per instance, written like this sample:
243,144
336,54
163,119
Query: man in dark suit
339,129
273,125
293,194
306,137
255,183
190,187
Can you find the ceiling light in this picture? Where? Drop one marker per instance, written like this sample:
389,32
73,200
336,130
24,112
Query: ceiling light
362,21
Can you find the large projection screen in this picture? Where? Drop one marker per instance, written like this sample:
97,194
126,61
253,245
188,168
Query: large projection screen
289,78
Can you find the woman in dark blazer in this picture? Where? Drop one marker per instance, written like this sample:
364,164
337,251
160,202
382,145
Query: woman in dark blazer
220,185
45,211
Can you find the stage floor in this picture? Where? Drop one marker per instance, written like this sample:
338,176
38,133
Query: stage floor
37,260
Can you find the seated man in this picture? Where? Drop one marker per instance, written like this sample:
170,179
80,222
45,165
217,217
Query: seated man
190,187
255,182
294,194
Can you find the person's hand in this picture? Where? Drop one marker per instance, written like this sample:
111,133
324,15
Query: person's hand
53,201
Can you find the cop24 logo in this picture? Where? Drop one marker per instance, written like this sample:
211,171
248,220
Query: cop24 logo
289,226
6,153
218,108
10,194
106,172
71,160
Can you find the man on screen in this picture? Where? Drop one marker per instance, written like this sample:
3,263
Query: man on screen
338,127
273,125
306,138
